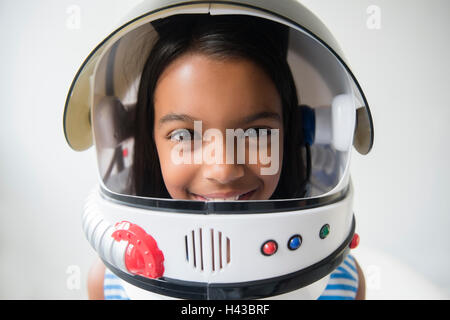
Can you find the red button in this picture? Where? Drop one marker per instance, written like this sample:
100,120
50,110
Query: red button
269,248
355,241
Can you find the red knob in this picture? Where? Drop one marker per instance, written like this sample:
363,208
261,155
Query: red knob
355,241
142,256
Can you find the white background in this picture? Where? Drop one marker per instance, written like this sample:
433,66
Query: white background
401,188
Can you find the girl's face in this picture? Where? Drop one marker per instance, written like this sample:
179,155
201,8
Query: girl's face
222,94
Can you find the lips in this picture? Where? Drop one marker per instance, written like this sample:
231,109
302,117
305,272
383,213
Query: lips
225,196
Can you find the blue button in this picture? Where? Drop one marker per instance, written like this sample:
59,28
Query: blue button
295,242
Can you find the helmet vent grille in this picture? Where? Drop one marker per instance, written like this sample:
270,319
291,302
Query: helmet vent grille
207,250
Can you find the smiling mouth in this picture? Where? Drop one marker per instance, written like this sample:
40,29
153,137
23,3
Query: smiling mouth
219,198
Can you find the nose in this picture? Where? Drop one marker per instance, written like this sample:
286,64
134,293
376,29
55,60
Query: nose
219,169
223,173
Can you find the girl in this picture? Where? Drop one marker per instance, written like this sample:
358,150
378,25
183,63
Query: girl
226,72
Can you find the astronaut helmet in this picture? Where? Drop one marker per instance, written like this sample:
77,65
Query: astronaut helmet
223,133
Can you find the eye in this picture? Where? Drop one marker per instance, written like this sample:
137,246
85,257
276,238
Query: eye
258,132
181,135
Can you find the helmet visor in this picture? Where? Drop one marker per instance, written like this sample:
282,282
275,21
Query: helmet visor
305,157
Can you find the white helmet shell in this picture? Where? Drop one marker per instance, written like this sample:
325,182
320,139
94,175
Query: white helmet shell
205,250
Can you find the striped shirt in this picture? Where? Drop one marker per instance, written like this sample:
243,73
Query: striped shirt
112,288
343,282
342,285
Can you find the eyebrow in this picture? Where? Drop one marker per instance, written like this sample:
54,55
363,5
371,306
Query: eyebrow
185,118
175,117
262,115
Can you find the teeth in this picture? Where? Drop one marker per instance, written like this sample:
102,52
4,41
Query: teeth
224,199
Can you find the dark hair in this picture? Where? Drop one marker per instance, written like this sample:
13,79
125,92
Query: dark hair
222,37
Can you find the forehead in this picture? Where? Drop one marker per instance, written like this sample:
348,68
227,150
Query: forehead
215,91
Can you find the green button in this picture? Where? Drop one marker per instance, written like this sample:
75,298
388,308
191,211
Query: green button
324,231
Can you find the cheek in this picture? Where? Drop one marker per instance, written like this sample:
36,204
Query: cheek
269,174
177,177
268,181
